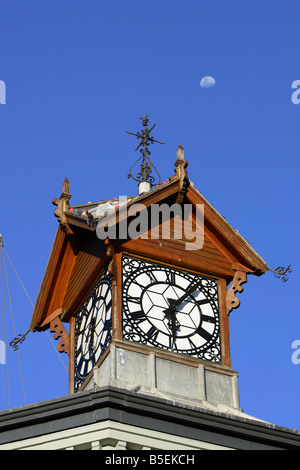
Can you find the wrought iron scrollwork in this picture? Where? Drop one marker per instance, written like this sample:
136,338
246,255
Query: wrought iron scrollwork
145,168
281,272
15,343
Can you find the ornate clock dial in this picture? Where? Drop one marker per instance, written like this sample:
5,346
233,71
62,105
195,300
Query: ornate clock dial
171,309
93,328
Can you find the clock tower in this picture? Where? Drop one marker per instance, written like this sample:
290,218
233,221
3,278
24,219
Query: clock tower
138,290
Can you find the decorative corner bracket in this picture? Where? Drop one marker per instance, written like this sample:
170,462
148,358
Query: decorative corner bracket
281,272
232,300
181,170
59,331
56,327
62,205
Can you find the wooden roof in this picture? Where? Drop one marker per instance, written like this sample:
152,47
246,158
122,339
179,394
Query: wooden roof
78,256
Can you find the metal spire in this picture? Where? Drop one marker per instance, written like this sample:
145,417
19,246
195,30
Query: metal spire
145,169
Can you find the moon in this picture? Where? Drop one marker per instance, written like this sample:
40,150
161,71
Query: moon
207,82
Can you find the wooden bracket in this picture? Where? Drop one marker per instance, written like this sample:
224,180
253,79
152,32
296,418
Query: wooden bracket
236,286
62,205
59,331
58,328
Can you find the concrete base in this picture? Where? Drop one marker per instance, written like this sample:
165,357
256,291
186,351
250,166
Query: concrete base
149,373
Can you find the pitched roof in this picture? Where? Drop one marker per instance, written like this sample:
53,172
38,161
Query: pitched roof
79,213
64,264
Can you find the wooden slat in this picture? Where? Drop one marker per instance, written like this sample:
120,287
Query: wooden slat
90,253
174,253
90,262
230,241
45,304
174,230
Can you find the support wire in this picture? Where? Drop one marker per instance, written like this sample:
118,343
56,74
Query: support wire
33,307
14,327
3,325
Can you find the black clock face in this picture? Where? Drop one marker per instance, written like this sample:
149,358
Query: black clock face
171,309
93,328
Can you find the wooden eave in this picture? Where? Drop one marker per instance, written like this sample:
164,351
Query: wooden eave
230,241
58,286
57,255
237,251
75,261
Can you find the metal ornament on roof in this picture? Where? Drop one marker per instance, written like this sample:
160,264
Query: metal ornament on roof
145,168
15,343
281,272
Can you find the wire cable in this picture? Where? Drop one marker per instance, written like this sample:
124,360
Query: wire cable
33,307
2,328
4,332
14,326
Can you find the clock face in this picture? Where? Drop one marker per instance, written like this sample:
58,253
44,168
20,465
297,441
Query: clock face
93,325
171,309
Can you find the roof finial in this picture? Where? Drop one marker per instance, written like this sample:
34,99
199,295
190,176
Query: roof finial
181,164
143,176
62,205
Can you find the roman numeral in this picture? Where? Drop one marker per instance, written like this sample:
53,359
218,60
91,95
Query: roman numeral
173,344
202,302
151,276
208,319
203,333
152,333
138,316
82,362
135,300
193,346
170,277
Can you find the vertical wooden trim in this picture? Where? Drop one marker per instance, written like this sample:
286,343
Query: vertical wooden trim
117,298
224,324
71,355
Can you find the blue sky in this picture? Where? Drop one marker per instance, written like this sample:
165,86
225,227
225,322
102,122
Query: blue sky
78,74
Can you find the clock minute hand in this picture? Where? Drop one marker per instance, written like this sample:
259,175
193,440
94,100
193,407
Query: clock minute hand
177,302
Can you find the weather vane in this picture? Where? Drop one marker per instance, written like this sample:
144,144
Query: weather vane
145,168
